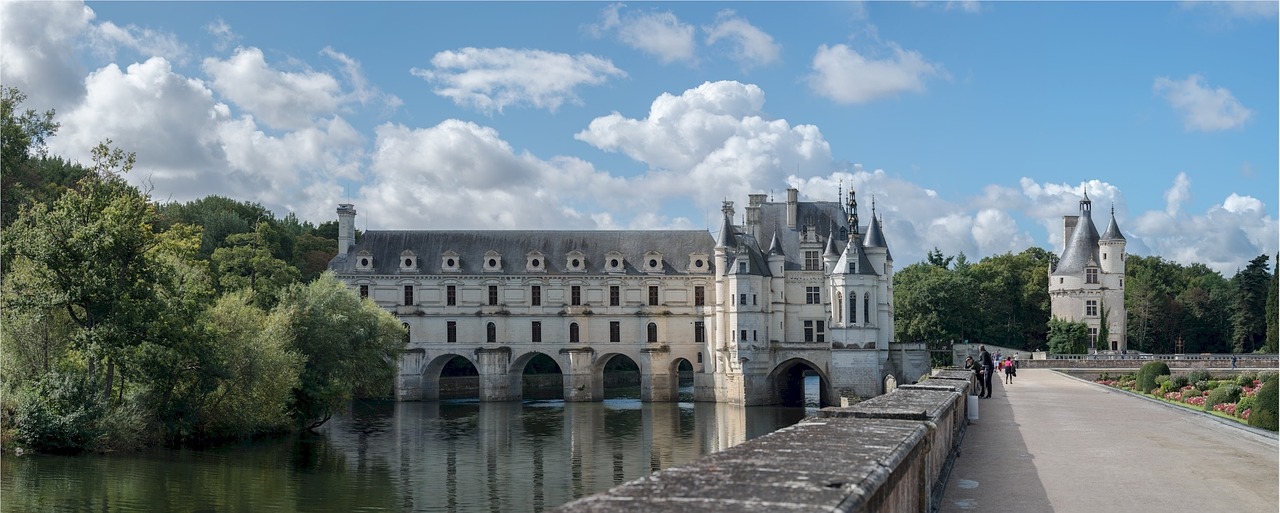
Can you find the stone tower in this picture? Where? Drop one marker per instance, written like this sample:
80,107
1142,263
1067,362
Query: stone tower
1088,282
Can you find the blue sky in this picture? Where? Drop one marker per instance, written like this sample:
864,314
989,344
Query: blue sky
974,125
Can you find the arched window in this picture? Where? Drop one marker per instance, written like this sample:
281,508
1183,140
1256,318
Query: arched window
406,332
491,333
839,309
653,332
853,308
573,333
866,307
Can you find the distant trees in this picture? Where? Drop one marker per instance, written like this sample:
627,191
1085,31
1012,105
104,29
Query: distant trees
1002,299
1170,303
127,323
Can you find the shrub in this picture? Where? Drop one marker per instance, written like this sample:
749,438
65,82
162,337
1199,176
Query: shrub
1267,403
59,413
1180,380
1265,376
1223,394
1198,375
1245,403
1166,384
1147,374
1246,379
1205,384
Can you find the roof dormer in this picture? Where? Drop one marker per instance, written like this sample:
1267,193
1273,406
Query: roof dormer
408,262
699,263
535,262
652,262
492,261
450,262
364,260
614,262
575,262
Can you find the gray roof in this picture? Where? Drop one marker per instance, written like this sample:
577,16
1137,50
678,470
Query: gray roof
1081,250
775,247
822,215
386,247
875,238
1113,230
725,238
854,253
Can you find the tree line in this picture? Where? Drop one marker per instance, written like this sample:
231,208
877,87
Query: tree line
1004,300
129,323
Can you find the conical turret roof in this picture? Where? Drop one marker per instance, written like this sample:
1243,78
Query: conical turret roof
726,238
1113,229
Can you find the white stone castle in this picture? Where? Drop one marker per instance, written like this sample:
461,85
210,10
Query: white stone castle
800,288
1088,282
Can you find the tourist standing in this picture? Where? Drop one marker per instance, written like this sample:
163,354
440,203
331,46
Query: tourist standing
1008,370
988,367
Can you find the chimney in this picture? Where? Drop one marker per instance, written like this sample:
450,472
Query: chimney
1068,227
753,214
792,196
346,227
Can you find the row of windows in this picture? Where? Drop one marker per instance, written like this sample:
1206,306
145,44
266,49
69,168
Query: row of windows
535,332
536,262
853,307
535,295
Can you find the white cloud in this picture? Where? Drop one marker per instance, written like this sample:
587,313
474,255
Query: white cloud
1237,204
1202,108
1178,194
108,38
752,46
282,99
660,34
223,36
37,40
1249,10
490,79
846,76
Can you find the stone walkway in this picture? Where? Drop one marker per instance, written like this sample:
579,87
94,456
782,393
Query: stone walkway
1050,442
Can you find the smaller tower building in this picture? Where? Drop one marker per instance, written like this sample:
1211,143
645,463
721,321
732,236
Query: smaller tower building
1087,285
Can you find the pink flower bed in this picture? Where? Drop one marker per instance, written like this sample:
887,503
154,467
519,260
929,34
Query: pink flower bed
1196,401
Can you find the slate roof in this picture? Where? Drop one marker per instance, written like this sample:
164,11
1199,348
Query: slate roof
875,238
1113,229
1081,250
429,246
821,214
854,253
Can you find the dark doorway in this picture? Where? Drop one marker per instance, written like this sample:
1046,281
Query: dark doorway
621,378
541,379
459,379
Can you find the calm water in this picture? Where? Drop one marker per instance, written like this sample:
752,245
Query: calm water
420,457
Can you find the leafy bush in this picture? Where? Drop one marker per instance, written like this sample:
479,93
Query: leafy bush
59,413
1199,375
1266,376
1246,379
1246,403
1179,381
1266,405
1205,384
1223,394
1166,384
1147,374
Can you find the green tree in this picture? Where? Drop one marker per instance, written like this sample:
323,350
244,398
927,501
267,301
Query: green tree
1273,311
350,346
22,139
1103,343
247,262
1068,337
1248,326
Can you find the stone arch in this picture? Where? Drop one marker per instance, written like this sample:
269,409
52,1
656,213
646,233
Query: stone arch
681,370
538,375
437,385
890,383
613,371
787,388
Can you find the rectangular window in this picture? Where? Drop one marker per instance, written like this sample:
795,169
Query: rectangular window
1091,275
699,332
536,331
753,336
493,294
699,296
1093,337
742,299
653,295
364,291
812,296
451,295
615,331
1091,308
408,294
535,295
753,300
575,295
744,336
742,268
811,261
808,331
821,331
451,333
615,295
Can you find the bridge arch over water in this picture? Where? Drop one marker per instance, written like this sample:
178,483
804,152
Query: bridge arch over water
786,383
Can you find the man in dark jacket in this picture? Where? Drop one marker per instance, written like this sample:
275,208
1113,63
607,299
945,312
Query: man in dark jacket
988,368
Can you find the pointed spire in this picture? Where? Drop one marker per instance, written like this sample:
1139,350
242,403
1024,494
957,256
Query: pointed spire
775,245
831,247
1113,229
875,236
726,238
852,203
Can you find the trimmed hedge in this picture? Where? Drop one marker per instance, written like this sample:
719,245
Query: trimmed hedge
1147,375
1228,393
1265,408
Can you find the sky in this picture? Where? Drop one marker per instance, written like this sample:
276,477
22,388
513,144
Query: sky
972,127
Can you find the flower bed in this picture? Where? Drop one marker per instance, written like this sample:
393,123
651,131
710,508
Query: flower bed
1193,396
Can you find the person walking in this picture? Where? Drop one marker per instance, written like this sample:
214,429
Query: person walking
976,367
989,368
1008,370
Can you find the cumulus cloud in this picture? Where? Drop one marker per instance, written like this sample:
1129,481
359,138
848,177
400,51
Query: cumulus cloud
282,99
846,76
1202,108
660,34
108,37
37,40
751,46
1178,194
490,79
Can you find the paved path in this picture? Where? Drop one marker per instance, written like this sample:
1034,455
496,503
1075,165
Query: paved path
1050,442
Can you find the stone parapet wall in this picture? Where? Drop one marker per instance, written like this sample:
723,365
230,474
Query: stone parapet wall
887,454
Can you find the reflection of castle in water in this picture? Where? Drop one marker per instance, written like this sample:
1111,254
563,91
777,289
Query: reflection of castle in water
512,456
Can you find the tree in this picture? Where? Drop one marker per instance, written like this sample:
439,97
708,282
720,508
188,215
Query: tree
1104,330
1248,327
22,138
1273,311
350,346
936,259
247,263
1067,337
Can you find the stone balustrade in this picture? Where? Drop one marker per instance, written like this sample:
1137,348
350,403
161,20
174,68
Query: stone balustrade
887,454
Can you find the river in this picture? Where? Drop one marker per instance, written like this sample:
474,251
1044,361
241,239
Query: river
453,456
